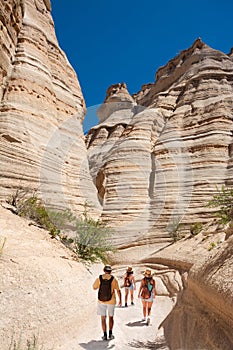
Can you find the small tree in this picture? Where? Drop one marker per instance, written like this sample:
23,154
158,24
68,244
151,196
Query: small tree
224,202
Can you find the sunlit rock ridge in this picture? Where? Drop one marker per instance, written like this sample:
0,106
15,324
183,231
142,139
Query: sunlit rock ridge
42,109
157,156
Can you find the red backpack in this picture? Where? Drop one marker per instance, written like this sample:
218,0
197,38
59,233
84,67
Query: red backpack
147,288
127,282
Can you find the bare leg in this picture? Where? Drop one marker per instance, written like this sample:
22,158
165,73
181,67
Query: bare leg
144,308
149,306
126,295
111,322
131,295
103,323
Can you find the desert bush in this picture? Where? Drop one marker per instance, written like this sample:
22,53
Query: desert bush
32,344
89,239
93,240
196,228
223,201
28,205
212,245
173,229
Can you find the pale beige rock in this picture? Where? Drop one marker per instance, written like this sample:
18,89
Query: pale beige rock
154,157
41,108
158,163
203,316
43,290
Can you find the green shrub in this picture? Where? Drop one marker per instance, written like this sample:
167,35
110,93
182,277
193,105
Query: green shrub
93,240
30,344
88,238
196,228
173,229
31,207
224,202
212,246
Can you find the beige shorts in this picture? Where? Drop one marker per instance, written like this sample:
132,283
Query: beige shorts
104,309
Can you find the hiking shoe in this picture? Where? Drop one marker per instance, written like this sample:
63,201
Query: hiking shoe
104,337
111,336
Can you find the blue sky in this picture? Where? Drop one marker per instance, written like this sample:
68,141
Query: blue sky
109,41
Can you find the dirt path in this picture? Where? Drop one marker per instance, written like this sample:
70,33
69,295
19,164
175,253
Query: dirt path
43,290
129,330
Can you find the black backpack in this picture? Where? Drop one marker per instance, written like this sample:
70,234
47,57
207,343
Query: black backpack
105,289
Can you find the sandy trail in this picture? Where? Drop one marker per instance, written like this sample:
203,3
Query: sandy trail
43,288
129,330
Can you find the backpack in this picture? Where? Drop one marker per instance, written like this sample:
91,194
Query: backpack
147,289
127,282
105,289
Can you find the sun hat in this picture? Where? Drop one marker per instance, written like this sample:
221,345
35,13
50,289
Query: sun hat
107,268
129,269
147,272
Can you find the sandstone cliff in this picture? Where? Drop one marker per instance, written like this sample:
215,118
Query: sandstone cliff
158,157
203,315
155,158
41,108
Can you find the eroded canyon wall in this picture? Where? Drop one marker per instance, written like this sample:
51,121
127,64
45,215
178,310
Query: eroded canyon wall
203,315
157,156
41,109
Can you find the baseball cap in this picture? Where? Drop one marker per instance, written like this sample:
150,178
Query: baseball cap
107,268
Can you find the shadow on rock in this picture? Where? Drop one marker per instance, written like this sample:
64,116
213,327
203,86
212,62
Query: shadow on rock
97,345
136,324
159,344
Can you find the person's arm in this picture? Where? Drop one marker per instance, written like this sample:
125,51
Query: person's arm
96,284
134,283
119,296
124,279
154,290
140,288
115,286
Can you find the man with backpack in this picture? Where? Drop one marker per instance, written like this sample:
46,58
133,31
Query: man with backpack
107,285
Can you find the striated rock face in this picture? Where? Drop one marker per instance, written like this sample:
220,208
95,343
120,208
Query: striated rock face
203,315
41,108
157,158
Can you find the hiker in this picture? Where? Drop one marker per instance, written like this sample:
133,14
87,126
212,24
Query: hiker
129,284
147,294
107,285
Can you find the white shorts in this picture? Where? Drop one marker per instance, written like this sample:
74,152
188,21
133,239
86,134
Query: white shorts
102,309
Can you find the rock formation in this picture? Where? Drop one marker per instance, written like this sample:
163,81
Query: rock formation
41,108
158,157
203,315
155,158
